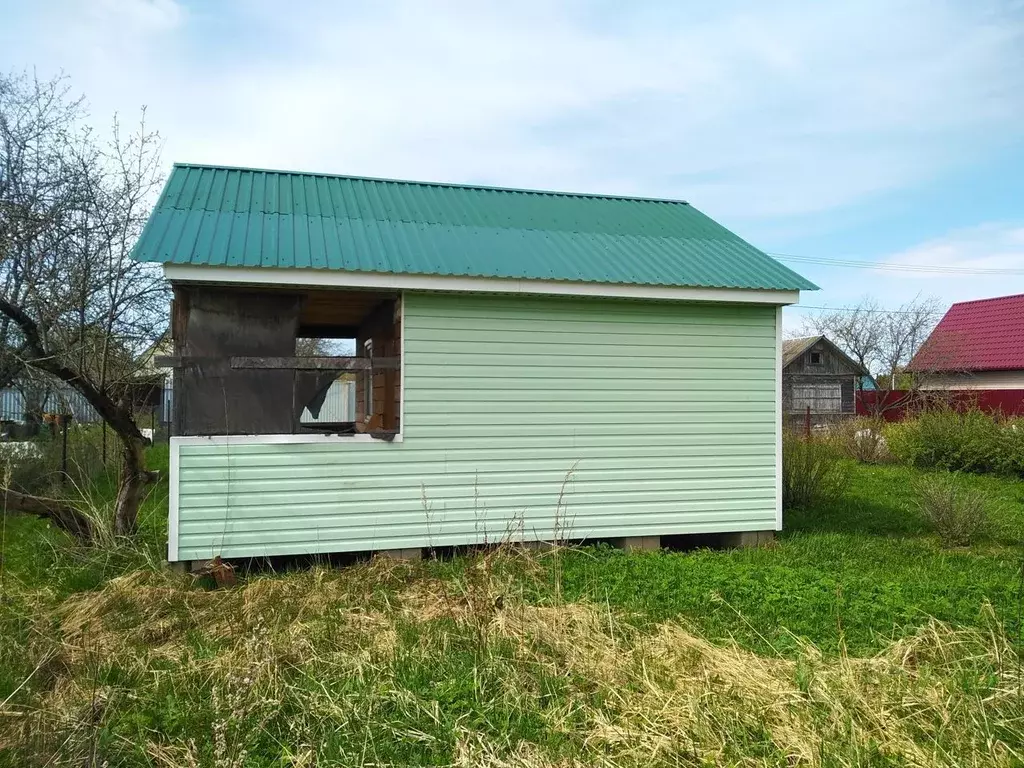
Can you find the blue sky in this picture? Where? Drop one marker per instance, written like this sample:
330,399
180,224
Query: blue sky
880,130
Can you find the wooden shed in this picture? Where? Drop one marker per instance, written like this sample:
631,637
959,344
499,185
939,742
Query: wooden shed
528,365
819,381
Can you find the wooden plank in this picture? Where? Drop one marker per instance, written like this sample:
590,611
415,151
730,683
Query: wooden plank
339,364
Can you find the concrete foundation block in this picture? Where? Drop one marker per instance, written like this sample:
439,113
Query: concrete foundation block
413,553
639,543
743,539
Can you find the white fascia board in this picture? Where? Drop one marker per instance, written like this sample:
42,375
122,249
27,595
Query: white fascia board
325,278
778,419
359,437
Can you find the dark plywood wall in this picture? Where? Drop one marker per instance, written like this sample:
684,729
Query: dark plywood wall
212,325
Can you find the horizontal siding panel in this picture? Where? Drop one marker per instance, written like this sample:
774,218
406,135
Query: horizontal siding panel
557,374
543,347
372,526
621,418
311,477
753,399
610,333
252,495
619,359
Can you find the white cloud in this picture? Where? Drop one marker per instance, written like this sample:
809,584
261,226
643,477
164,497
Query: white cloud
758,111
984,247
990,246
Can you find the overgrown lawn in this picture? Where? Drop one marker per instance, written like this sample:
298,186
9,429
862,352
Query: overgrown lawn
854,640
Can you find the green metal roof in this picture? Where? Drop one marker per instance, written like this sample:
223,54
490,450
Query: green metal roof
247,217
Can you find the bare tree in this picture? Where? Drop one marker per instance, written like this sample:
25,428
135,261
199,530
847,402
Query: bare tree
883,341
857,330
73,305
904,331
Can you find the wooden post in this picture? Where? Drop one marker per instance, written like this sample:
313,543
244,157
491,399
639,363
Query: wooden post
64,420
807,423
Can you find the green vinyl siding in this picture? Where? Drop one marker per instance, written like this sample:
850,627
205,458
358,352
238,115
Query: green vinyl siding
644,418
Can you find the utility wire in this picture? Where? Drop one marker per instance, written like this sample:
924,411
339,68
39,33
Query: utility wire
855,309
932,268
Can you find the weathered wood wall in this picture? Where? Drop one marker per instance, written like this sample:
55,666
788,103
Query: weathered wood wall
832,369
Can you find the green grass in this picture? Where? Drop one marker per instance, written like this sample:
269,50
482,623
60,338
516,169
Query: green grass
821,649
862,571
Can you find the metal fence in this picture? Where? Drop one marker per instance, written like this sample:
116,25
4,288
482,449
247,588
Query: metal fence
16,403
339,405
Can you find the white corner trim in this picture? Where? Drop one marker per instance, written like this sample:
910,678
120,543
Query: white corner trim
329,278
172,501
278,439
778,419
401,360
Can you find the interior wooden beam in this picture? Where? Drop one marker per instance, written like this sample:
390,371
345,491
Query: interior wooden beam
339,364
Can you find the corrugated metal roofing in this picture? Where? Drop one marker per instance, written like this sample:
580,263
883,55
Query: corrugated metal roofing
255,218
981,335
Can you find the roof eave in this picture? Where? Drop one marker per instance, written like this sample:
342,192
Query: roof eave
324,278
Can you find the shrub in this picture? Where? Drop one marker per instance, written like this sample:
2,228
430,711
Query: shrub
860,439
958,514
969,441
813,471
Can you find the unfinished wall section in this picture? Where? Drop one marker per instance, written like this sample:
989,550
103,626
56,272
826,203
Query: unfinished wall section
236,369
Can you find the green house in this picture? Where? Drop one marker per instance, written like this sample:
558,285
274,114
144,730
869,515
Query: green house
527,365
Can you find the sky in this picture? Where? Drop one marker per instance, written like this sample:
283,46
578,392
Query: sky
881,131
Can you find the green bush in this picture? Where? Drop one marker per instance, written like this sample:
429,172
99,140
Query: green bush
860,439
969,441
814,472
958,514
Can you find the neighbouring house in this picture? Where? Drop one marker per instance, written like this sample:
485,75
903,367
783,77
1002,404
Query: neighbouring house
977,345
819,380
528,365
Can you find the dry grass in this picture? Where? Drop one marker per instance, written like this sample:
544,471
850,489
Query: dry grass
387,664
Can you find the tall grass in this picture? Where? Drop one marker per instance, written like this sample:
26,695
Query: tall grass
394,664
814,472
959,514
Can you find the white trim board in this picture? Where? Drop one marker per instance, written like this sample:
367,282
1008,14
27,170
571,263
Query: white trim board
401,358
277,439
325,278
172,502
778,419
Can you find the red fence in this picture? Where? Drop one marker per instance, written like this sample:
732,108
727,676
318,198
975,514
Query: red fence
896,404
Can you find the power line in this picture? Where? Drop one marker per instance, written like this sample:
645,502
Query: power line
857,309
931,268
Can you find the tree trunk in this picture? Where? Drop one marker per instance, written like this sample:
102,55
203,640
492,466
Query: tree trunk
132,488
64,516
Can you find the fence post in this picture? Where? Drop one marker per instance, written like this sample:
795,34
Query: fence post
65,418
807,422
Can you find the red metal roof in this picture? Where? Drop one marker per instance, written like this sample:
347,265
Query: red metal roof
982,335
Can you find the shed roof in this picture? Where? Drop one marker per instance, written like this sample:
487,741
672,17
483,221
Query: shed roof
794,348
245,217
980,335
